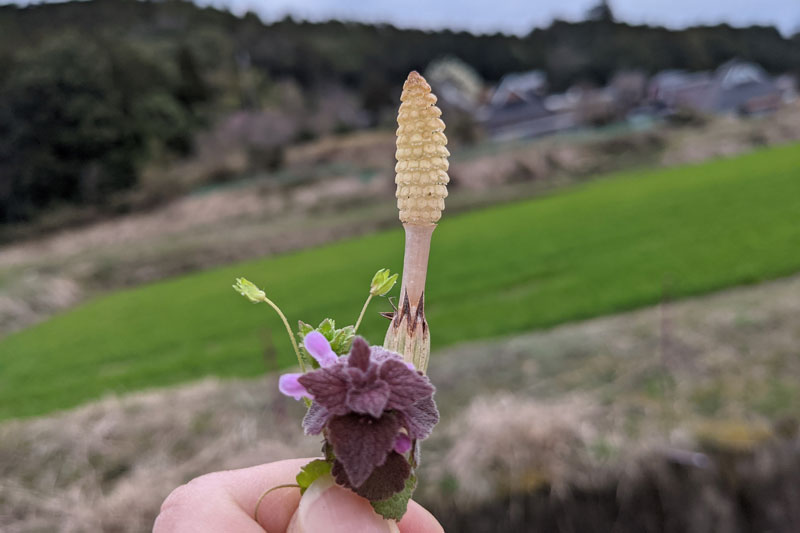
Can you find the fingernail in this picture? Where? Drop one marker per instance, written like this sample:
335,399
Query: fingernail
325,506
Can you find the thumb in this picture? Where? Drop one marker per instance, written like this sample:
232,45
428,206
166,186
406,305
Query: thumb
326,506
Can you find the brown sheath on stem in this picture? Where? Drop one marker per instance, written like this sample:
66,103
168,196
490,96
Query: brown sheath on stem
421,189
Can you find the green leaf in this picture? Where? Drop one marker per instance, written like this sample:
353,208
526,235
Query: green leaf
310,472
303,329
343,340
309,361
340,339
328,328
394,507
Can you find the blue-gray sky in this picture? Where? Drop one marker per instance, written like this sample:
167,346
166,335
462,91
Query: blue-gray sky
519,16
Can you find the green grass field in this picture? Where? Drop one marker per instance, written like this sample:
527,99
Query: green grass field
609,245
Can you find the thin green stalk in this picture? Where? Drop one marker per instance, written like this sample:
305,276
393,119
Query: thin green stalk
363,310
263,494
289,331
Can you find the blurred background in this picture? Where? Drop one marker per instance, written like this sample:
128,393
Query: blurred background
614,288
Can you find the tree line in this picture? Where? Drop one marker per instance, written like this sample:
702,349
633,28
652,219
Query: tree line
92,90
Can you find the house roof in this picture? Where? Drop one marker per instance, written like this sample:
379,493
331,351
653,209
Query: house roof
737,73
518,86
729,88
738,82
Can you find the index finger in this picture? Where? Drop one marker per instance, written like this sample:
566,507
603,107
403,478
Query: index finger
226,501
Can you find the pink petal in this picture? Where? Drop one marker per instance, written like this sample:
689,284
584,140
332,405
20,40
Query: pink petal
290,386
402,443
317,345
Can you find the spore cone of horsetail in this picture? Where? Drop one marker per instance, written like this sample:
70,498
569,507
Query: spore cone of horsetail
421,178
421,155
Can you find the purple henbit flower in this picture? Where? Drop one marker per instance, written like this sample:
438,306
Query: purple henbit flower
364,400
289,385
402,444
317,345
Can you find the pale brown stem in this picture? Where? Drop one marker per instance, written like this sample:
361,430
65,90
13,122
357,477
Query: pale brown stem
415,262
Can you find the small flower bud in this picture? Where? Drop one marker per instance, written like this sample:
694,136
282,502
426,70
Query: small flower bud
249,290
382,282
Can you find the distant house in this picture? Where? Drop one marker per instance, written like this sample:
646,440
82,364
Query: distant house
675,89
519,87
516,108
735,87
745,88
787,85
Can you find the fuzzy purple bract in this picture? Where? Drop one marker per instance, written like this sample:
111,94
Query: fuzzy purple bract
371,405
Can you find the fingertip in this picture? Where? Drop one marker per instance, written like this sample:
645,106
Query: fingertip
334,509
419,520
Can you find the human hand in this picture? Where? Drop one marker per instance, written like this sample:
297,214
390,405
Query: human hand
224,502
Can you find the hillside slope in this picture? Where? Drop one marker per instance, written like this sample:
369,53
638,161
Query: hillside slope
612,244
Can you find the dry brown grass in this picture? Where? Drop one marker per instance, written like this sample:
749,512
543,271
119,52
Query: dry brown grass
729,136
108,466
505,442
